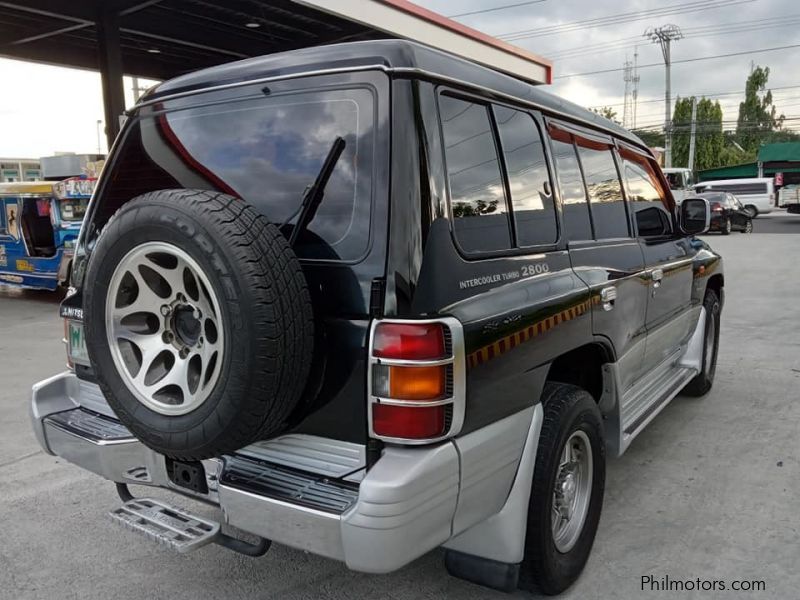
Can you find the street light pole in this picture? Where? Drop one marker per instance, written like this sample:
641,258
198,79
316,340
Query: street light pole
693,135
663,36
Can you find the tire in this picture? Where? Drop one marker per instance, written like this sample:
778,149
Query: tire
227,355
727,227
570,413
748,227
752,210
703,381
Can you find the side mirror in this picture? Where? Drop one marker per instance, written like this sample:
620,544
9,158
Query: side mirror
695,216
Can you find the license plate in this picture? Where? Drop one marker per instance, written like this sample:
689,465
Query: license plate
76,343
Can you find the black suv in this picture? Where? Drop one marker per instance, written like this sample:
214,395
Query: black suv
371,299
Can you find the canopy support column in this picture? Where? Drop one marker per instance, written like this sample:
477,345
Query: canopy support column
110,63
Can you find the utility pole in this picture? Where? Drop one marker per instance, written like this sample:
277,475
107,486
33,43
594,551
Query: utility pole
137,89
693,134
636,78
663,36
99,150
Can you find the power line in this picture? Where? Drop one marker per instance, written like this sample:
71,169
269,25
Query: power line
486,10
790,121
703,95
685,60
689,32
629,17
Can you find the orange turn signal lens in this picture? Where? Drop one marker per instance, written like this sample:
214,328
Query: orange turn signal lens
409,383
416,383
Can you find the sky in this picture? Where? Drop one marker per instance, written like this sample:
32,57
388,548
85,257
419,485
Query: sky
45,109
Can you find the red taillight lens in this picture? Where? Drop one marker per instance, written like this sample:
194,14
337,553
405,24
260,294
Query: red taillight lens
716,208
408,422
409,341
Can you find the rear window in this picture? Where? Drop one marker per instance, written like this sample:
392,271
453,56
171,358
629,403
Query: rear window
265,151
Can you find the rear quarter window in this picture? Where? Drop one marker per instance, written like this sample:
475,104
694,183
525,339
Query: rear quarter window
477,190
265,151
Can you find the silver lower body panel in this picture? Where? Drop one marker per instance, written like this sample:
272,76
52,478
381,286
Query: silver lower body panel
307,492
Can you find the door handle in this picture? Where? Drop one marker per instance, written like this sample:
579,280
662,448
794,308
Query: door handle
608,295
657,275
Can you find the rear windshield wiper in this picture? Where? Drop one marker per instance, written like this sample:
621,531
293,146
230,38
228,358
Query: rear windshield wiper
314,194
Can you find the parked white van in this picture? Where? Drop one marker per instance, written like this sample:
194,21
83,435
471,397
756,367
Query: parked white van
757,194
680,182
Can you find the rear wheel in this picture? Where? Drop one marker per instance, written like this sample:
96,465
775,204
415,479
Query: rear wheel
727,227
702,383
752,210
567,491
198,322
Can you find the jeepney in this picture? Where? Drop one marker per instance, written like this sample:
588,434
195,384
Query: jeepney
39,223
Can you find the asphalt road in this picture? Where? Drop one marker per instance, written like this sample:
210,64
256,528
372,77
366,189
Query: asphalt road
710,490
777,222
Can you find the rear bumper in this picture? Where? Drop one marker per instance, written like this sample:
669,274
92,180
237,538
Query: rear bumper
403,507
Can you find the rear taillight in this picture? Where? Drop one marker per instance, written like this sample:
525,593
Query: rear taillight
416,380
716,208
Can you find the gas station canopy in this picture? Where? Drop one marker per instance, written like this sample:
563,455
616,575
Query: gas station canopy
159,39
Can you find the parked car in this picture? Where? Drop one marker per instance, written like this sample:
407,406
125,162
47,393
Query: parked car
756,194
371,299
727,213
39,223
681,182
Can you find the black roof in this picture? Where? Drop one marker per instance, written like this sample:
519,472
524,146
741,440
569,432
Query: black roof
391,55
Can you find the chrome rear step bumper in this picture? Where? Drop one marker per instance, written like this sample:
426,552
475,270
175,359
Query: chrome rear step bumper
400,510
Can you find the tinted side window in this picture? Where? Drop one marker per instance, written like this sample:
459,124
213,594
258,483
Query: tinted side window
534,210
477,194
605,192
265,151
646,197
573,195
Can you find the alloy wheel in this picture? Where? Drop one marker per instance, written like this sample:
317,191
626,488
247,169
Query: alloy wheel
572,492
164,328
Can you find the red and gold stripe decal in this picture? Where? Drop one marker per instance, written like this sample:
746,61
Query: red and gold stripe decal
507,343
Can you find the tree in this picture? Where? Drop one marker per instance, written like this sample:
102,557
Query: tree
653,139
757,114
607,112
709,139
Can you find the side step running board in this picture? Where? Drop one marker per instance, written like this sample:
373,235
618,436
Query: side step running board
165,524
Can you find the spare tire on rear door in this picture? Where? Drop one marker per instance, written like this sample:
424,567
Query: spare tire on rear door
198,322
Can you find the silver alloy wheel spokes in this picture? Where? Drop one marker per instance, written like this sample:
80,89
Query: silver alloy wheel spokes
572,492
164,328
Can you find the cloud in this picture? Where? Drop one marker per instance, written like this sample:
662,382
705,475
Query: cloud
48,108
701,77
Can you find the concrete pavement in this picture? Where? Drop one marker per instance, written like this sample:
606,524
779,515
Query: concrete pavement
710,490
